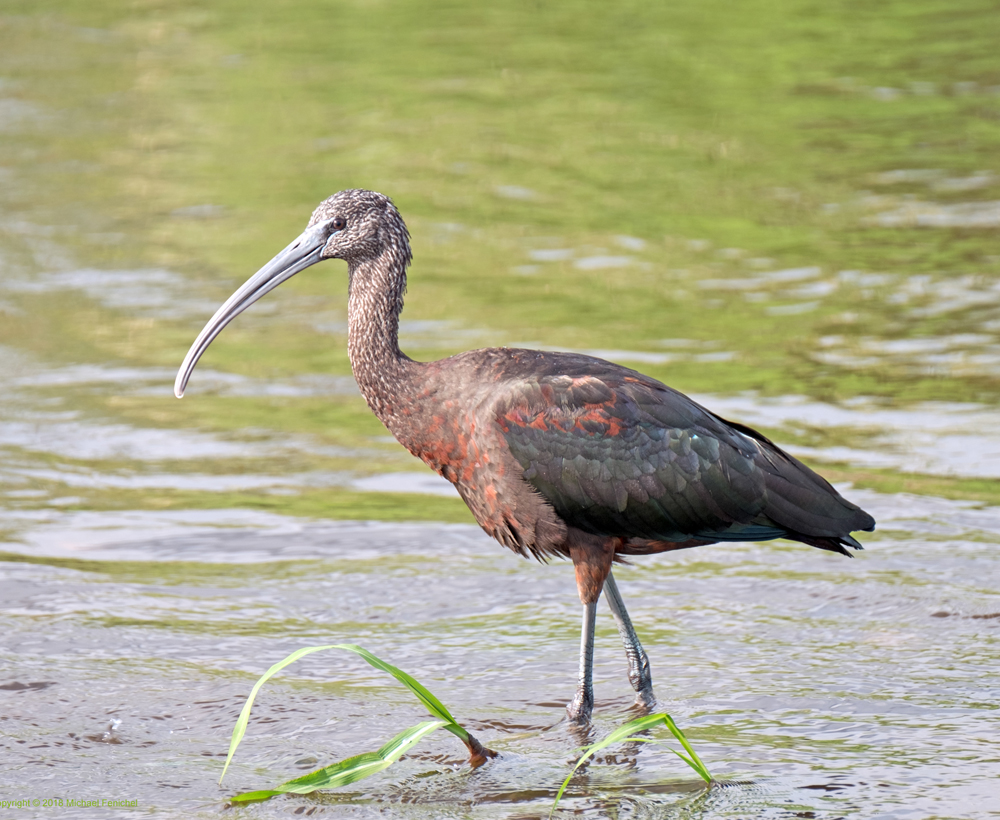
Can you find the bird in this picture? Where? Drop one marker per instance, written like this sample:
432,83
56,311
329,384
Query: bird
556,454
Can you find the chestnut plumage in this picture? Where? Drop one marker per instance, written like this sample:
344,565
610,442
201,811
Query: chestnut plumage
556,454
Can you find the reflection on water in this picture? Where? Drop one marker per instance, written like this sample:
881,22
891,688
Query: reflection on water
934,438
935,215
586,190
429,483
60,434
158,293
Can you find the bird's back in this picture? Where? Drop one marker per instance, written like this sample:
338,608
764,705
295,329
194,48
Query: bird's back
614,452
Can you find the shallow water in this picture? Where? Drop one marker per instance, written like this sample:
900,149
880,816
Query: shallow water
796,228
807,683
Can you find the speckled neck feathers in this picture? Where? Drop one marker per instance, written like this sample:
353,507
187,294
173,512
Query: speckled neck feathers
377,285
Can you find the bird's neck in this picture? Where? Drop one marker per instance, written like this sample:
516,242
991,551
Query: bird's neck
382,371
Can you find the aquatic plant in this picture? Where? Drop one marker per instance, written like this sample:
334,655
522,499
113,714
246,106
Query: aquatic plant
360,766
624,734
363,765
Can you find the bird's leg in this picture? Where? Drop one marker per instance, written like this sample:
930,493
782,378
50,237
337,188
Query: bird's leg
592,557
639,674
583,703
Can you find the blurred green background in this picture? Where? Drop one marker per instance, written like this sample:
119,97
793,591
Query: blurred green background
763,199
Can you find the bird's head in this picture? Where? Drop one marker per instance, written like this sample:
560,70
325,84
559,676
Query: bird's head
355,225
359,225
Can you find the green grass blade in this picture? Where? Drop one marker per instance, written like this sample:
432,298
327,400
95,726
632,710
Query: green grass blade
250,797
641,724
695,762
618,734
700,769
241,722
624,733
423,694
351,769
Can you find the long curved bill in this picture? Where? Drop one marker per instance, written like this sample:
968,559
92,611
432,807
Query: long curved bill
298,256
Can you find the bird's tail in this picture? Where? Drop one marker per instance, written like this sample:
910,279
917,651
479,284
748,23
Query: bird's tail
804,504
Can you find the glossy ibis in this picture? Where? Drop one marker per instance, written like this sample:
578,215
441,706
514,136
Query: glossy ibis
556,454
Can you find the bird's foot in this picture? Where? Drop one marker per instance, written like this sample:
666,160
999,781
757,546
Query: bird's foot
639,673
645,699
581,707
642,683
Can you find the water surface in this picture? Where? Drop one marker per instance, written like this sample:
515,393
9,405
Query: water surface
786,210
807,682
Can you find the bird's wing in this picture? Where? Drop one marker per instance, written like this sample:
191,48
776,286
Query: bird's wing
621,454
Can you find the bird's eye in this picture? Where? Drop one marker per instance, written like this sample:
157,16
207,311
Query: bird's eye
339,223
